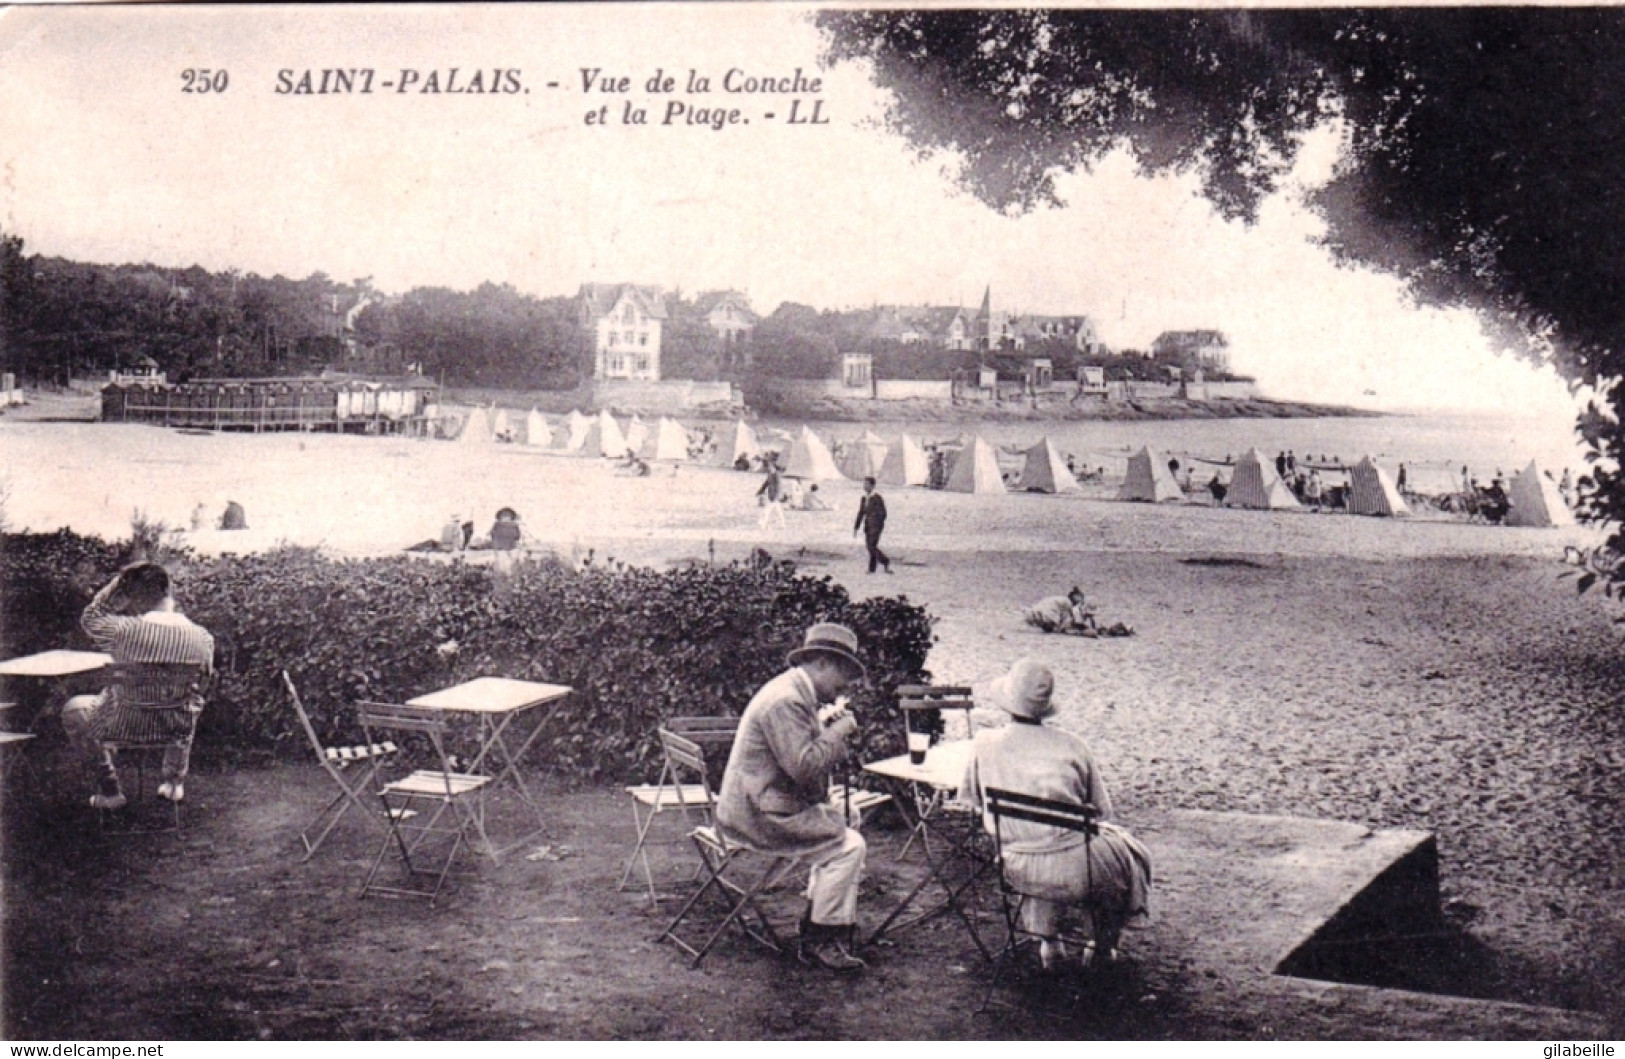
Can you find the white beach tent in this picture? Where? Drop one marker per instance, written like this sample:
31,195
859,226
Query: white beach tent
477,427
668,441
810,459
1536,500
864,457
578,426
1256,485
1045,471
611,441
637,432
537,432
976,470
500,427
905,464
1372,492
741,443
1148,479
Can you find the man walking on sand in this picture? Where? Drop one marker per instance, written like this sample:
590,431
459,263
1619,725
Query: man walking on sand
872,520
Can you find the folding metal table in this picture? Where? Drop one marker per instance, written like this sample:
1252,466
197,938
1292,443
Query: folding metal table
932,785
496,702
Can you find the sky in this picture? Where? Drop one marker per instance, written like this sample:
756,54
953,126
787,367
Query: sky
104,157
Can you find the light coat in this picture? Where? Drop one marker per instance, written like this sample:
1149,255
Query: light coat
775,790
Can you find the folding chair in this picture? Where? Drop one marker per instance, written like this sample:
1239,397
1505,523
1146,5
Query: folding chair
434,792
336,761
1005,805
740,875
684,785
162,702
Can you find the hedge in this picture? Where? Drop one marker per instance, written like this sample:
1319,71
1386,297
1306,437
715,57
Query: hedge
638,645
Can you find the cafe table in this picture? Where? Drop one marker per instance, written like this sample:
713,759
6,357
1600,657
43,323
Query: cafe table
58,663
931,803
52,665
498,703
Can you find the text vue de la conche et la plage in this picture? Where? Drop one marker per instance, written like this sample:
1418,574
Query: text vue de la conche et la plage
661,98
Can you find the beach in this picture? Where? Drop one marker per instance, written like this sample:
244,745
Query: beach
1428,674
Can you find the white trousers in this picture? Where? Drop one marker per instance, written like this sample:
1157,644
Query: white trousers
832,884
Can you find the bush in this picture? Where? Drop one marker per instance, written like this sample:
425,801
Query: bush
637,645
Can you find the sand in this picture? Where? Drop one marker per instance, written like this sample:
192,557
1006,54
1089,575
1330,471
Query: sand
1421,674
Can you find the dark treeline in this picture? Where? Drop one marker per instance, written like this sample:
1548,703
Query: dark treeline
64,319
60,319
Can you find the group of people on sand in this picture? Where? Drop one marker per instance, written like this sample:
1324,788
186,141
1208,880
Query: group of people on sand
507,534
796,733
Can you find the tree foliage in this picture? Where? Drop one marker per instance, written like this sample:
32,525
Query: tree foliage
1479,163
490,336
66,318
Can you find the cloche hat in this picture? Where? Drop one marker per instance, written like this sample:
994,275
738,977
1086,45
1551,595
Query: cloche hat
1025,691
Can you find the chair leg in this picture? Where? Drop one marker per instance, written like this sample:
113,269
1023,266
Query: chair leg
642,823
713,879
342,804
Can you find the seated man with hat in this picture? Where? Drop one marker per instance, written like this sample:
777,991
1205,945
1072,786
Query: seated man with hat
774,796
1112,870
133,618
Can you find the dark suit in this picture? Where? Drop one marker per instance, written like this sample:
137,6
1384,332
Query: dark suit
872,520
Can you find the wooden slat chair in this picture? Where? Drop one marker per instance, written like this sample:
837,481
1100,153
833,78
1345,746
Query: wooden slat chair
433,793
1005,805
740,876
923,706
167,698
341,763
684,785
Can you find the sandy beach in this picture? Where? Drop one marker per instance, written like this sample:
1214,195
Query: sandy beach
1399,673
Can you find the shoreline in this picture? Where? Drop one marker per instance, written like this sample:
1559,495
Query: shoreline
1051,408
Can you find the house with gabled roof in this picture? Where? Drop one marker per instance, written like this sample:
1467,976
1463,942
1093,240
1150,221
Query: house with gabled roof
623,321
727,312
1208,351
1076,331
942,325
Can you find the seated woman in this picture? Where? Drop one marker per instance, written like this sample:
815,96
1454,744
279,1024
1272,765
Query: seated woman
506,533
1112,870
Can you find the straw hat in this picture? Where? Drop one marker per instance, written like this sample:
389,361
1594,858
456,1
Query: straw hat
1025,691
830,639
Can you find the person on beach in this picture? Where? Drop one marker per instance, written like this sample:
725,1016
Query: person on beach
811,501
872,520
1312,490
234,518
133,618
506,533
1112,870
774,795
1217,488
1070,614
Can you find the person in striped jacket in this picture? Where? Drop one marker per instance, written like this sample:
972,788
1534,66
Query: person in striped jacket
133,618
